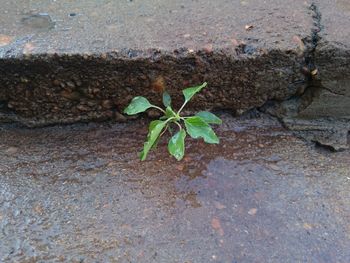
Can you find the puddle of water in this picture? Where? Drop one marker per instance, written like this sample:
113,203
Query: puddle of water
39,22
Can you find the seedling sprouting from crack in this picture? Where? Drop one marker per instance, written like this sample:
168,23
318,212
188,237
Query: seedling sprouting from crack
197,126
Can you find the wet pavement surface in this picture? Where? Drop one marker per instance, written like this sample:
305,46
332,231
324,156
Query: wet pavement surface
79,194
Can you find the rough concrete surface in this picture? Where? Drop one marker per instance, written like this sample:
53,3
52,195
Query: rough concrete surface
79,194
70,27
332,57
324,114
66,61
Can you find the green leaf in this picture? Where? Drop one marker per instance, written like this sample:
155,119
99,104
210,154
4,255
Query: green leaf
198,128
169,112
150,128
166,99
190,92
152,125
209,117
137,105
176,145
155,128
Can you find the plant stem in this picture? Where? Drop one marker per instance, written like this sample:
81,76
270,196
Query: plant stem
166,127
183,105
178,124
158,108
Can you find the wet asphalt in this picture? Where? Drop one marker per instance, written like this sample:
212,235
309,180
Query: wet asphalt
79,193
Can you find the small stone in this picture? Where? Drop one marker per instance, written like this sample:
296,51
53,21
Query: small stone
11,105
216,224
95,91
208,48
274,167
70,84
70,95
307,226
55,109
39,209
143,77
107,104
249,27
82,107
5,40
56,82
187,159
91,103
126,227
24,80
180,167
314,72
28,48
11,150
78,83
158,85
299,42
253,211
219,206
234,42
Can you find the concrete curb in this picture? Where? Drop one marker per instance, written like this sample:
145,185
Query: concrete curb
266,54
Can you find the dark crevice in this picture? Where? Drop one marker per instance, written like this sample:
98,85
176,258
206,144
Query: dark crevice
333,92
325,147
312,43
304,96
313,84
290,111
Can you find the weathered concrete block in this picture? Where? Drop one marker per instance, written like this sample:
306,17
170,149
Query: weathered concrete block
65,59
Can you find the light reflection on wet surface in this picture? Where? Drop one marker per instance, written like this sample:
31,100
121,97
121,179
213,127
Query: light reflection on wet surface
41,22
79,194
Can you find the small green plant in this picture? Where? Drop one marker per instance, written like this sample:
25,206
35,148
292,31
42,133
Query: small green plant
197,126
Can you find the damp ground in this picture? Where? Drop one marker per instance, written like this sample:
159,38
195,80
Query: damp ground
79,193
